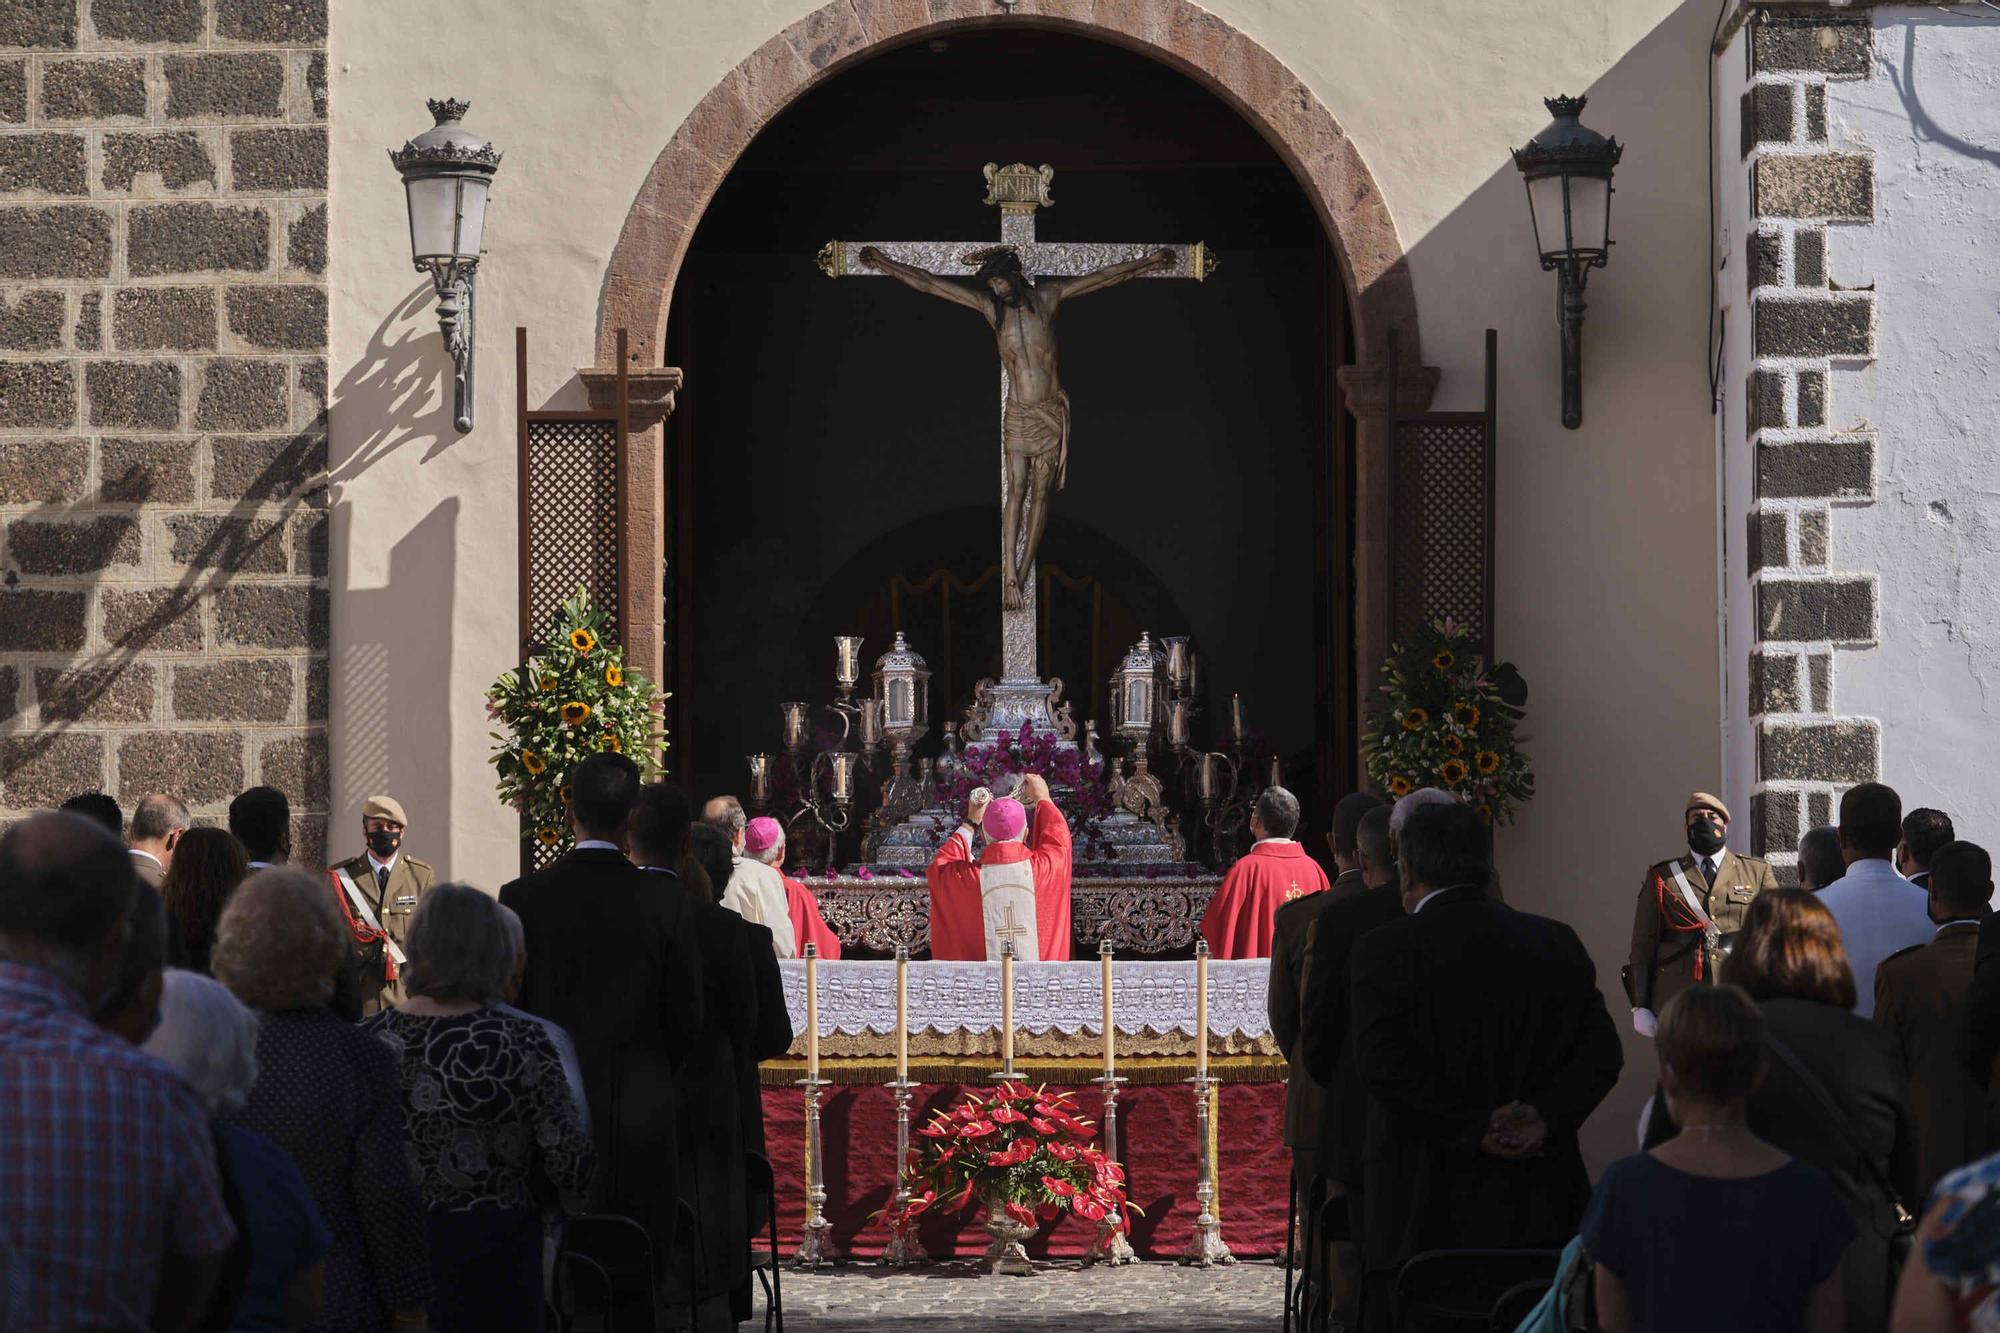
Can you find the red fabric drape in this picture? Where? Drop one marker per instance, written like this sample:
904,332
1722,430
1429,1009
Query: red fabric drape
1155,1131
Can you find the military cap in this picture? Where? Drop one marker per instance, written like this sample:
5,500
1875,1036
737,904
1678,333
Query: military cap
384,807
1701,800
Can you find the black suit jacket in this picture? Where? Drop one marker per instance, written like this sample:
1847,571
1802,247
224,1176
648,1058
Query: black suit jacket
1325,1024
1982,1005
1460,1009
613,960
772,1034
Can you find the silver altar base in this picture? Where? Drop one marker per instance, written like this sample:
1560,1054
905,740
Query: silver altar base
1007,1256
1001,707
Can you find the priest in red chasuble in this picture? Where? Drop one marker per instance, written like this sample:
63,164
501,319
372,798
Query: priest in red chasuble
1239,918
1018,889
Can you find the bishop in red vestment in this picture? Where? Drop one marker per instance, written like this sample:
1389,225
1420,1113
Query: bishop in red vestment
808,926
1018,889
1239,918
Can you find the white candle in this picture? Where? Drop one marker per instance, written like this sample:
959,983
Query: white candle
1110,1033
902,1014
1200,1009
812,1012
1007,1006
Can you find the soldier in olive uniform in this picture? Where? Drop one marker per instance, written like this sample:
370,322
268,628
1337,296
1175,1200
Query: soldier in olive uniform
379,890
1690,907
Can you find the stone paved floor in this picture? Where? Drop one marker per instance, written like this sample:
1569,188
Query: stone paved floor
962,1298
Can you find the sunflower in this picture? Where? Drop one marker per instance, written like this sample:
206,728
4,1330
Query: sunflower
547,683
1466,715
1486,761
1444,661
1453,745
533,763
609,741
547,836
614,675
582,640
1452,772
1399,787
567,791
1415,719
575,712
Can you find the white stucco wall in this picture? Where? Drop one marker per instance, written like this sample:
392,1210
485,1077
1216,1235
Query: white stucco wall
1927,115
1607,582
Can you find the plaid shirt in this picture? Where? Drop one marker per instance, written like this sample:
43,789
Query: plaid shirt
106,1164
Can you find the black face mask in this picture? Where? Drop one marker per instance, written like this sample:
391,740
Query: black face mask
384,843
1705,836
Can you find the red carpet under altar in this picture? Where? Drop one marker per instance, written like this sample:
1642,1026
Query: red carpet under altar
1156,1133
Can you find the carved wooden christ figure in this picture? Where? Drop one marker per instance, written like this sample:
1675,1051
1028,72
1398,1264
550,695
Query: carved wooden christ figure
1034,429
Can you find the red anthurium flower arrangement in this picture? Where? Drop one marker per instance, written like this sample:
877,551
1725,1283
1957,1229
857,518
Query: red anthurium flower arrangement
1028,1149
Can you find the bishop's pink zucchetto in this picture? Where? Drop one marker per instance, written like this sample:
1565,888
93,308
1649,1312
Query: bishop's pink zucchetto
762,834
1004,820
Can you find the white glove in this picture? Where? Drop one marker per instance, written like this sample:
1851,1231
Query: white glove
1643,1022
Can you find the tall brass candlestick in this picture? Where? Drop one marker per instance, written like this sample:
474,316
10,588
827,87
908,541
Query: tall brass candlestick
1205,1248
903,1248
1109,1246
816,1245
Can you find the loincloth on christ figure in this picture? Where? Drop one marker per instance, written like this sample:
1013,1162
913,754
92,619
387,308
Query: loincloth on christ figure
1037,430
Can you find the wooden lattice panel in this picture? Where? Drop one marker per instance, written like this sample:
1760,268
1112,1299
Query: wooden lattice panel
1441,547
572,516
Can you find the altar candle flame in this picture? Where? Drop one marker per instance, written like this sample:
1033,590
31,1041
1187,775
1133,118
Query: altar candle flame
1110,1033
812,1012
902,1014
1200,1009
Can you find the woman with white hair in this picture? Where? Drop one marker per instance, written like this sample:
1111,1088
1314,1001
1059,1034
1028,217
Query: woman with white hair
493,1129
210,1039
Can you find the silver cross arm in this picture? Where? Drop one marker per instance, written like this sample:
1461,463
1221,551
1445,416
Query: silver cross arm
1039,259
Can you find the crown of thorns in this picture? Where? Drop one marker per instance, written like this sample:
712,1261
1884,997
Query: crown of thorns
998,262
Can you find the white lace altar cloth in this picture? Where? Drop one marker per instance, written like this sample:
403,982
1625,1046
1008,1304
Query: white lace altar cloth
953,1002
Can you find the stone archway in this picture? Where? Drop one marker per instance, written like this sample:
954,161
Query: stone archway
639,283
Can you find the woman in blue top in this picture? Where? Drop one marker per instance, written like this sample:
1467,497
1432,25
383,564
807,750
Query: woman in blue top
210,1038
1715,1228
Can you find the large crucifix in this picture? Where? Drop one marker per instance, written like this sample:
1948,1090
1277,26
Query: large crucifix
1017,286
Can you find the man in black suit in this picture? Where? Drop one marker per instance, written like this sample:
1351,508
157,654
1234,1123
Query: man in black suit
1325,927
711,1082
1483,1043
613,961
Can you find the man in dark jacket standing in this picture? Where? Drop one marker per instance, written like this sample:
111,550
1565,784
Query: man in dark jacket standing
1483,1044
614,962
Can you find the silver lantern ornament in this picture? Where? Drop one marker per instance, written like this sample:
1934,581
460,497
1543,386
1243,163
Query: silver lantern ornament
903,685
1135,692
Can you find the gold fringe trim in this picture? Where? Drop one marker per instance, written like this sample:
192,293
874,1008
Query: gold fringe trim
1143,1072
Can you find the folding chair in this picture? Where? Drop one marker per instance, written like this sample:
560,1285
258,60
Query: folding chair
1465,1285
613,1255
760,1180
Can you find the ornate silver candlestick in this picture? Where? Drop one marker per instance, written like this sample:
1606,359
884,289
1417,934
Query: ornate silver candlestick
904,1250
816,1245
1205,1248
1110,1246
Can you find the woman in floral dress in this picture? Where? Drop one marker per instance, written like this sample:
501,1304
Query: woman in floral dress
494,1135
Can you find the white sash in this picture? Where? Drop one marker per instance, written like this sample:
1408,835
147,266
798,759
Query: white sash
367,914
1709,933
1007,902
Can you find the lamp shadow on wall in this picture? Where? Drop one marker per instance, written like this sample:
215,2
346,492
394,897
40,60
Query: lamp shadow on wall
1904,81
1606,542
393,650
